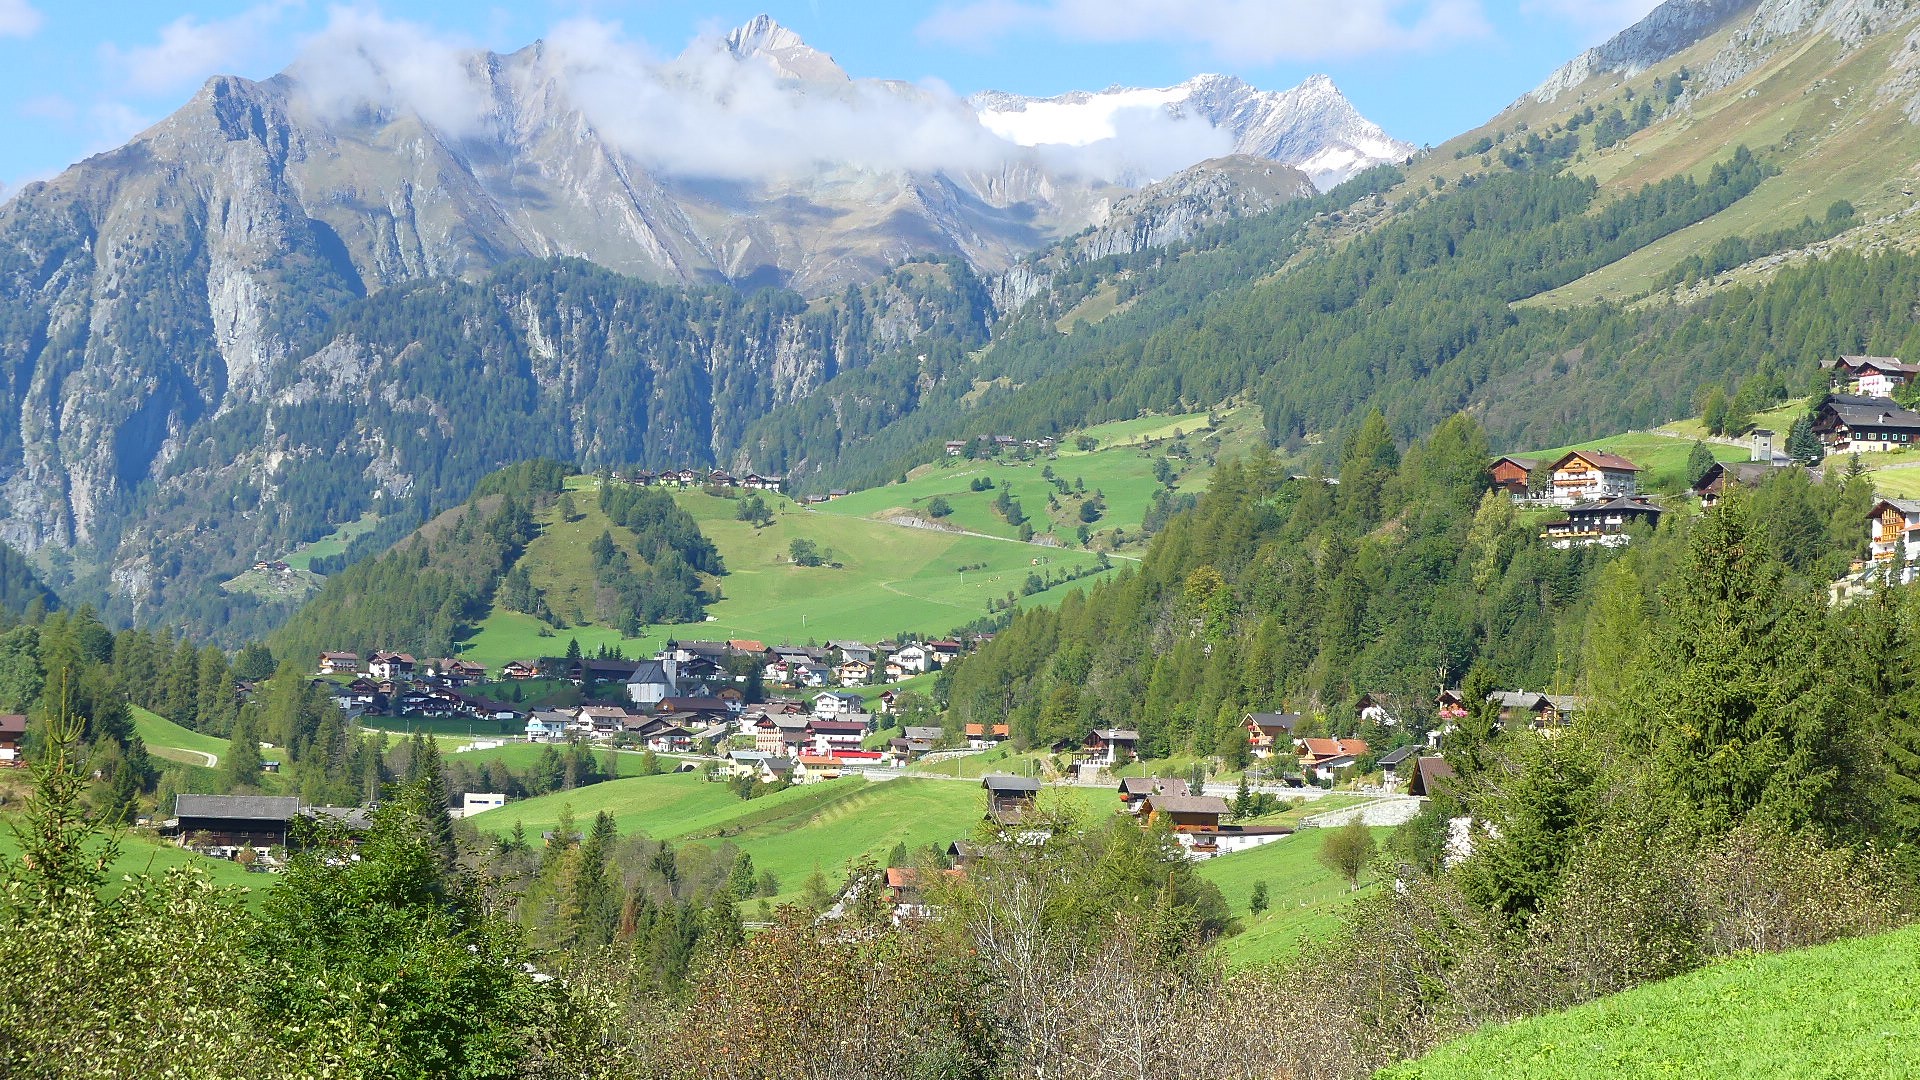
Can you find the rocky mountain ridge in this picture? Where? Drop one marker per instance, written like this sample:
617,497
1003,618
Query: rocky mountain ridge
1311,127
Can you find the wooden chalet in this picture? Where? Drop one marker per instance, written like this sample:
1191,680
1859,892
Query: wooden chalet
1009,798
13,738
1603,522
1267,730
1581,476
1110,746
1850,424
1135,790
390,665
1894,538
518,669
1511,474
1194,820
339,663
232,821
1724,475
1870,376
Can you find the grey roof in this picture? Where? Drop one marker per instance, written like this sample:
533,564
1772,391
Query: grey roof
1007,782
1189,804
1153,785
649,671
778,764
1856,411
925,734
353,817
1517,699
1117,734
238,807
1907,507
1283,720
1395,757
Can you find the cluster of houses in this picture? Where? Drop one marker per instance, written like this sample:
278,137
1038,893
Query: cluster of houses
995,444
395,683
1600,491
697,478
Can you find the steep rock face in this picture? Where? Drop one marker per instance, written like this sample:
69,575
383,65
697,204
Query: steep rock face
1163,214
1668,29
1759,31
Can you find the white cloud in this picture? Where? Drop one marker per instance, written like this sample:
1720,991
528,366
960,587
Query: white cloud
1232,31
364,60
19,19
190,49
54,107
707,113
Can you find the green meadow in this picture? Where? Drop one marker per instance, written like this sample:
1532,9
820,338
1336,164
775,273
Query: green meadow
792,832
888,580
166,739
142,854
1842,1010
1119,470
1304,898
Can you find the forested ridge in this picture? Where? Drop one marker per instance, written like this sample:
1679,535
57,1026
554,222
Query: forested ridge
1405,576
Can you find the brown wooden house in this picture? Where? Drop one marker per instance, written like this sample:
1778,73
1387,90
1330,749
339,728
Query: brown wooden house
1511,474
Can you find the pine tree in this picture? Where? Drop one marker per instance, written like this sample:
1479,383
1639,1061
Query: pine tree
240,766
1802,445
1700,461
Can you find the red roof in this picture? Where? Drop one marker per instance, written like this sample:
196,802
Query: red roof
1320,749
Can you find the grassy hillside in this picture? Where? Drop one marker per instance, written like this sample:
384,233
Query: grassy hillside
1120,470
143,854
169,740
890,580
1843,1010
1663,456
1304,897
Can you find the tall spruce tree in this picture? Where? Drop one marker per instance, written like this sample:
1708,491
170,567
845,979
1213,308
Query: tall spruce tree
1745,722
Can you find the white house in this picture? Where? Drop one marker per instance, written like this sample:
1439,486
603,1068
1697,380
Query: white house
1590,475
833,703
547,726
653,681
1895,539
911,660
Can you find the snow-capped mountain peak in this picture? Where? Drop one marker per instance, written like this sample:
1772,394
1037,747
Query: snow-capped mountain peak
785,51
1312,126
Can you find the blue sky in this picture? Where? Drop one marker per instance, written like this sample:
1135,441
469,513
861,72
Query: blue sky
80,77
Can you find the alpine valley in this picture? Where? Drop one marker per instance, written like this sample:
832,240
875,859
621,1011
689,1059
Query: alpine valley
304,303
1161,581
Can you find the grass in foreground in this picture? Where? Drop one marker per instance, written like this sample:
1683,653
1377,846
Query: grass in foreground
1842,1010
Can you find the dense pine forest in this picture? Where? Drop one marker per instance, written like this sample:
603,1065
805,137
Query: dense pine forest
1391,578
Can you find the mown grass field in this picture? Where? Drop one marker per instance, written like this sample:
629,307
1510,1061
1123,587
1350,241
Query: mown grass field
166,739
791,832
1305,897
891,580
1842,1010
